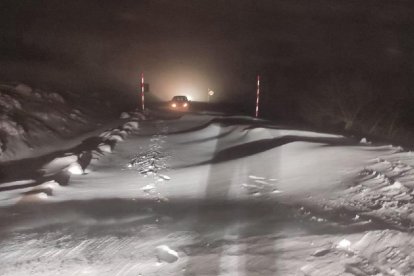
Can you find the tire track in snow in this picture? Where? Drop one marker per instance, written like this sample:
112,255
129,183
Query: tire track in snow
153,161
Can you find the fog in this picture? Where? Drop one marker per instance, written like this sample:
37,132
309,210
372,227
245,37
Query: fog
186,46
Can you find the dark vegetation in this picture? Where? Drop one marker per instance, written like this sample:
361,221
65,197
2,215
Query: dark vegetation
352,104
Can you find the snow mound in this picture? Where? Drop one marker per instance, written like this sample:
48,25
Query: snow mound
364,141
136,115
125,115
130,126
166,254
344,244
10,128
58,164
115,138
24,89
9,103
75,168
105,148
52,185
148,188
34,196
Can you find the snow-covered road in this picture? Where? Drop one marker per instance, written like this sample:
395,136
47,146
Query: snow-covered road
222,196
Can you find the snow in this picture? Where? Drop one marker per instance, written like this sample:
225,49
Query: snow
198,195
58,164
105,148
148,188
344,244
116,138
130,126
364,141
35,122
75,168
125,115
24,89
166,254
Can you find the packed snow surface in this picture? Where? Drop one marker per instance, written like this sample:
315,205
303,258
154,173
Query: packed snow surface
211,195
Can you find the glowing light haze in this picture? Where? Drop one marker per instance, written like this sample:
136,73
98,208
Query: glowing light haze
181,81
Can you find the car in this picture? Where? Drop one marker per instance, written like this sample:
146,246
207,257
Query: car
179,103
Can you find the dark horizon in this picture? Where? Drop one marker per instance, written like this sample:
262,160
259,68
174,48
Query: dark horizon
224,44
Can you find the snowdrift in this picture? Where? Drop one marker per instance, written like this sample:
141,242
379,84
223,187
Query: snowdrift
205,195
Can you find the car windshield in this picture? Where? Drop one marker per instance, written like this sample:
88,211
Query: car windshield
180,98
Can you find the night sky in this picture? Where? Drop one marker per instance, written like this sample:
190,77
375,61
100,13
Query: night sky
195,45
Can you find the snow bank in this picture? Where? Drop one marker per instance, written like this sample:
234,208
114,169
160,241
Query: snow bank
32,119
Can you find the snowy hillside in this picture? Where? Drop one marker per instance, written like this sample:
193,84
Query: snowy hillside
34,121
212,195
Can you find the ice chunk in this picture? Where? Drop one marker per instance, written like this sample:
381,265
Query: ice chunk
397,185
52,185
165,177
148,188
75,168
105,148
256,177
42,195
261,182
166,254
247,186
344,244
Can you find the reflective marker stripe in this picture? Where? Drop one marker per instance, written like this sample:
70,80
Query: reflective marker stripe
142,91
257,96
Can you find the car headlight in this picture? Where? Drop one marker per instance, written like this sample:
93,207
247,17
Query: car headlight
173,105
185,105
